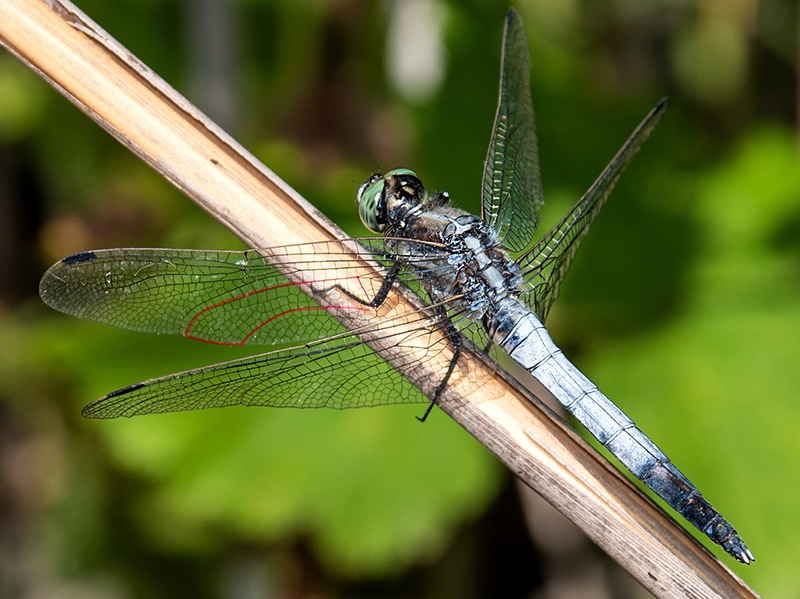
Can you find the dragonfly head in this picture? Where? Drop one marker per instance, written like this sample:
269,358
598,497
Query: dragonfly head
379,194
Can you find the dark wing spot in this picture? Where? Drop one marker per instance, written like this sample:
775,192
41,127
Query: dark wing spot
124,390
79,257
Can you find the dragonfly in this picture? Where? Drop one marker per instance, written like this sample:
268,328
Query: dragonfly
477,282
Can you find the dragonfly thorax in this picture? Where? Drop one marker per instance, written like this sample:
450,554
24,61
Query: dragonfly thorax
480,275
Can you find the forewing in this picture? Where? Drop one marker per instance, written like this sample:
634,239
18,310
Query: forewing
511,193
546,264
236,298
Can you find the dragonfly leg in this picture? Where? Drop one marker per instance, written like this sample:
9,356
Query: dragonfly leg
455,340
382,293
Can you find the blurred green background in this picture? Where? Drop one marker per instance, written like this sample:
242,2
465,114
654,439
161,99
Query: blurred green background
684,304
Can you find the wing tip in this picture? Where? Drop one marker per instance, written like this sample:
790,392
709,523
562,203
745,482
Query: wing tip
100,408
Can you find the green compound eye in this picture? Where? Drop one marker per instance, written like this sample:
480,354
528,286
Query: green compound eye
371,198
399,172
372,204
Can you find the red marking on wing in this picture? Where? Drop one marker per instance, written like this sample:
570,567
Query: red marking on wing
192,322
360,284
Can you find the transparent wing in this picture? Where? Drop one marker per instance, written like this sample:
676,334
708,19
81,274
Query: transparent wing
224,297
241,298
545,264
511,194
337,372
